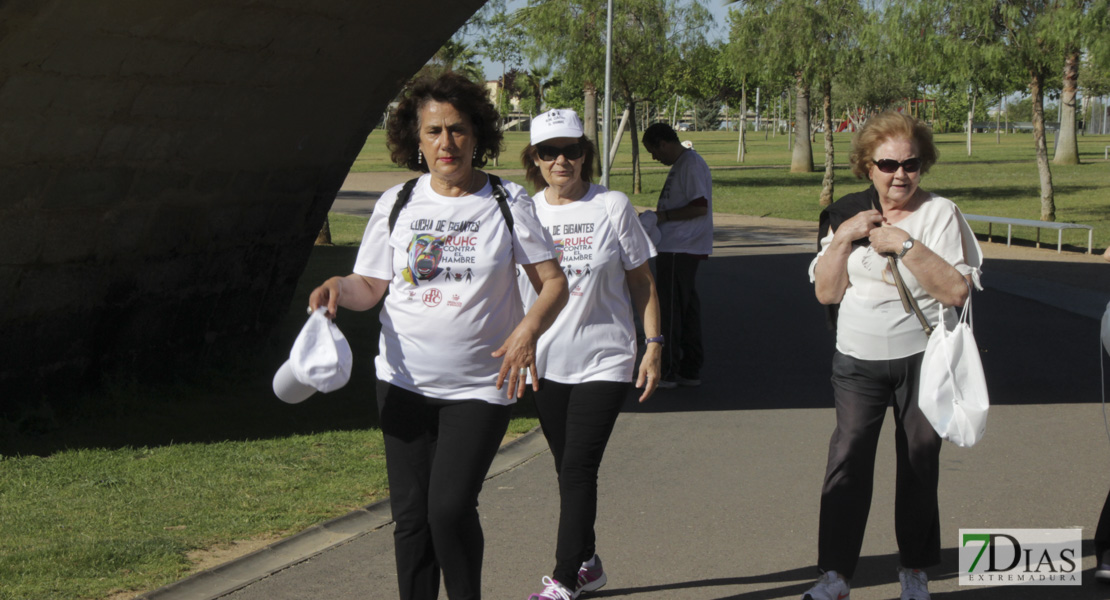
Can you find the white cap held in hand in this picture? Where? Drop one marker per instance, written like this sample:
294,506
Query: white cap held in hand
319,362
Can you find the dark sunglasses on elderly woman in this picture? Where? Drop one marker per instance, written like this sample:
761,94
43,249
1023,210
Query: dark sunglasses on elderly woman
888,165
572,152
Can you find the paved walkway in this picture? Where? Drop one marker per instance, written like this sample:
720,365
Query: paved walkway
712,493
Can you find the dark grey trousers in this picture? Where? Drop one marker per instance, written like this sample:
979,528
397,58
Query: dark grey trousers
862,390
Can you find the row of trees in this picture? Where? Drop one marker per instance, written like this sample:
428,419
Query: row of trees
823,57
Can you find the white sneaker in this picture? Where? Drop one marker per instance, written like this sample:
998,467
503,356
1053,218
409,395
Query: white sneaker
553,590
830,586
915,584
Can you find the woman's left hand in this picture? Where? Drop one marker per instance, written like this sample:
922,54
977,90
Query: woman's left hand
888,239
650,370
519,352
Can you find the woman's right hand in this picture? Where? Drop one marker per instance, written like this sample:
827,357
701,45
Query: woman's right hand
353,292
327,295
859,226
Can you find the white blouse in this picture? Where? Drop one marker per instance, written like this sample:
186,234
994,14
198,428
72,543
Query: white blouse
872,324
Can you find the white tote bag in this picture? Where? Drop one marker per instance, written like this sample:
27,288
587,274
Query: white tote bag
952,391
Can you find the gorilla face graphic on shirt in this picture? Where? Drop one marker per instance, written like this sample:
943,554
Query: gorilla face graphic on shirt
425,252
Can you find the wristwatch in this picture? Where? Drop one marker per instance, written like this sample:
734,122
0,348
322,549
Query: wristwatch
654,340
906,245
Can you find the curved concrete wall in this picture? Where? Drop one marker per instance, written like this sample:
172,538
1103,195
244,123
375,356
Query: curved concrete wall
165,166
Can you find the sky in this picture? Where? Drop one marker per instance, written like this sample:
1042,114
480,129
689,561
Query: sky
717,7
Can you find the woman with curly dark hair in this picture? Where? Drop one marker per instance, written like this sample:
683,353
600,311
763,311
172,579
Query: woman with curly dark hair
455,350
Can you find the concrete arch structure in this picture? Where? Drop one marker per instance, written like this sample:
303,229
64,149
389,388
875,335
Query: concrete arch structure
165,166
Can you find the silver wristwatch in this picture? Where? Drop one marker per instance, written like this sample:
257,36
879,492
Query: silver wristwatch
906,245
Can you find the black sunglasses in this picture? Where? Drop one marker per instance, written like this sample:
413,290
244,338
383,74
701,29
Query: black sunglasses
889,165
572,152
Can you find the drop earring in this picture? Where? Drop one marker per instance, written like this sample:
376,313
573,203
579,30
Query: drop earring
475,153
419,157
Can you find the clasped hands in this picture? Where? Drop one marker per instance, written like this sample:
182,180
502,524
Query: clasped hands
884,238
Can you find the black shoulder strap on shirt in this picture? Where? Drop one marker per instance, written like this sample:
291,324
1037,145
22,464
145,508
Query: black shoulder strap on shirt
502,197
402,199
499,194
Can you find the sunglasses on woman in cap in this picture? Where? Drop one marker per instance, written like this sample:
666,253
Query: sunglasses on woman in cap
548,152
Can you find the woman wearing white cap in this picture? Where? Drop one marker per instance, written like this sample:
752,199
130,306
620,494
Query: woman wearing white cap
449,343
587,358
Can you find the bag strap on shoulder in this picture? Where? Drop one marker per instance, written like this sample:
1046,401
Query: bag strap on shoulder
499,194
502,196
402,199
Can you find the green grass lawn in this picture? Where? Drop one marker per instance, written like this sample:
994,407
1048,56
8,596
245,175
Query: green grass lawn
119,494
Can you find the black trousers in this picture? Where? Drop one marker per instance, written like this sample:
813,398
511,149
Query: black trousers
862,390
577,421
1102,531
680,316
437,455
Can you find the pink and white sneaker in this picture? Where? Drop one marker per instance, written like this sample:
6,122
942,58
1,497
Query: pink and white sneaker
591,575
553,590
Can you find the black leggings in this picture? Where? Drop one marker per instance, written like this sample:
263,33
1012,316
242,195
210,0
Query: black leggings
437,455
577,421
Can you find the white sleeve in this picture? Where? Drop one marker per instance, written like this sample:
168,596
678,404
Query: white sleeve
375,253
531,242
636,247
698,181
824,246
952,239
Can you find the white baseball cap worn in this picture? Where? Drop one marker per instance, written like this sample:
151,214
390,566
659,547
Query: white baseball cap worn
556,123
319,362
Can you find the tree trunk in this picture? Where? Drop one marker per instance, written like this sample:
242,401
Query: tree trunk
324,237
998,122
1048,204
828,182
635,147
789,121
1067,146
801,160
742,150
589,120
970,116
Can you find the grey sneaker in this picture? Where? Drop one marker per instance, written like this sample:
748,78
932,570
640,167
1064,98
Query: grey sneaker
830,586
687,381
591,578
668,382
915,584
1102,573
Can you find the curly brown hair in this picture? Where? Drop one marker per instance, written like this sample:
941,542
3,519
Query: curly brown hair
891,125
532,171
403,130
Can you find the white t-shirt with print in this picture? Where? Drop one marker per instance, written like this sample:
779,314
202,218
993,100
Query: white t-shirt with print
872,324
452,297
688,180
597,238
